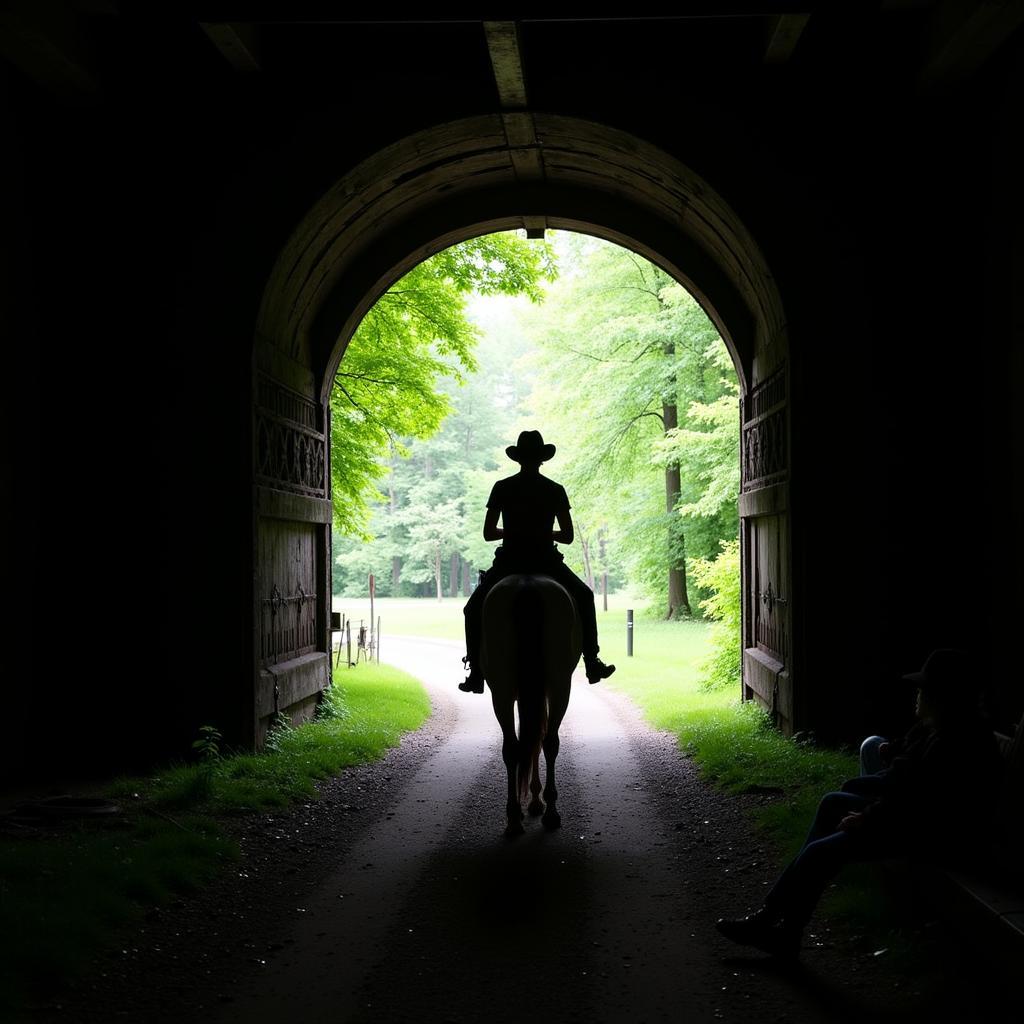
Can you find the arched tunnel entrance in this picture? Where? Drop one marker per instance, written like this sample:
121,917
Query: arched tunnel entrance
432,190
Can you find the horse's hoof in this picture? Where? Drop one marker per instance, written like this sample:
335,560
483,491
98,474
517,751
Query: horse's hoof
536,807
552,820
513,829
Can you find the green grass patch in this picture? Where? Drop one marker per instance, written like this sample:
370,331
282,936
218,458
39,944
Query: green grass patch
736,748
64,895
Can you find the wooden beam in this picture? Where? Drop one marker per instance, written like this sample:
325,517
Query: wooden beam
238,42
784,31
503,44
962,35
535,226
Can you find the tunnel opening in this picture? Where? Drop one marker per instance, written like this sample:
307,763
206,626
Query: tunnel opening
459,182
615,362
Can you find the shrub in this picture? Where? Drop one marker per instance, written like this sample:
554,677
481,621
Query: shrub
722,577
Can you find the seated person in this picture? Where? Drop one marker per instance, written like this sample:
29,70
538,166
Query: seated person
931,795
528,504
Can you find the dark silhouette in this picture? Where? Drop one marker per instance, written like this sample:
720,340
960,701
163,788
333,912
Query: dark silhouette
538,677
930,795
528,504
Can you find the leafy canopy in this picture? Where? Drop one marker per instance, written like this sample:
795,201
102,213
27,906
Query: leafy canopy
417,334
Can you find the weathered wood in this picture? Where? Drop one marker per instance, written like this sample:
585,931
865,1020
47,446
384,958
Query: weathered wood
272,504
289,682
507,64
238,42
784,31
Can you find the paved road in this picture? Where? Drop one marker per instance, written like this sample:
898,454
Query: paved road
434,916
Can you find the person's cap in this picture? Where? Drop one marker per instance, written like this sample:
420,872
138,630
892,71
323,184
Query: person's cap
946,672
530,447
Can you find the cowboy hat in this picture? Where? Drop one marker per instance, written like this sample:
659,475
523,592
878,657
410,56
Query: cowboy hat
530,447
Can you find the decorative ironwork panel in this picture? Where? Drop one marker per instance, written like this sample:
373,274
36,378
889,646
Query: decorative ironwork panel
291,452
765,447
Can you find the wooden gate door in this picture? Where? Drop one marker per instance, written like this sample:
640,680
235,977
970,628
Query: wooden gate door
292,521
765,550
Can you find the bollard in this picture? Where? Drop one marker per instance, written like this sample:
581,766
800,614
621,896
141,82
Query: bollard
629,633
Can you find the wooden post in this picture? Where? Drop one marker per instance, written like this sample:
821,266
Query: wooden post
348,635
371,608
629,633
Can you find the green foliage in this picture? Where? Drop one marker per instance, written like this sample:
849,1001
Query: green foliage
280,726
722,578
207,746
618,353
417,334
623,351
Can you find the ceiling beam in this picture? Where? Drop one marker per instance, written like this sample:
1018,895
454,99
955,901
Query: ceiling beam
784,31
524,147
238,42
962,35
507,64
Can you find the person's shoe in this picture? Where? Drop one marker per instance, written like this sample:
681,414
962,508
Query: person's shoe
474,682
598,670
758,930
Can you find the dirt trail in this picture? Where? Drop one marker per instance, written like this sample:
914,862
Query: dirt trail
396,897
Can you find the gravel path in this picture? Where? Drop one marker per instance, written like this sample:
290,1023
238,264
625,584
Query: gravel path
395,897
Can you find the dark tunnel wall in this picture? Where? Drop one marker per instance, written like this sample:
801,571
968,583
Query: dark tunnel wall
142,231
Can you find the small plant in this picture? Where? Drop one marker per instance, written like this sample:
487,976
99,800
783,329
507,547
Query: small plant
207,746
280,726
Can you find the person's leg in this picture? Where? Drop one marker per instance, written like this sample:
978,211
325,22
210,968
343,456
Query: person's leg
832,808
776,928
583,597
473,612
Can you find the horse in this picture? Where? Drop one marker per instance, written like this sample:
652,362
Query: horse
531,644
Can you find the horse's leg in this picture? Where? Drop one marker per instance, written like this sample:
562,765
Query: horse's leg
503,711
557,703
536,804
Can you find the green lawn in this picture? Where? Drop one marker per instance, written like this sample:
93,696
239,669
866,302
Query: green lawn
426,616
63,896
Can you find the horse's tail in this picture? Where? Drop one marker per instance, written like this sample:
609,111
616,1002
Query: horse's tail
531,683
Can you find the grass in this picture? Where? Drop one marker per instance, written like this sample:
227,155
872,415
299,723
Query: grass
736,748
64,896
426,616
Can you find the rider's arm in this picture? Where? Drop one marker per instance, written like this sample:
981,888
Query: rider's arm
491,529
564,534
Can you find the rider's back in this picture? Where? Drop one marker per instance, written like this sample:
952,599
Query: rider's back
528,503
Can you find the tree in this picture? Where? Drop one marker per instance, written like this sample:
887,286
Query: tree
416,334
625,358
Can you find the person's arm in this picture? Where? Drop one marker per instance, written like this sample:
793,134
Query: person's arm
491,529
564,534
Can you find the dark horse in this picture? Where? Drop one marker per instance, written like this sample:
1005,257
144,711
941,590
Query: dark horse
531,644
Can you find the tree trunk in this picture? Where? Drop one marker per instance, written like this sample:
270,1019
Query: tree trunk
453,575
437,572
678,599
396,574
587,570
602,555
466,577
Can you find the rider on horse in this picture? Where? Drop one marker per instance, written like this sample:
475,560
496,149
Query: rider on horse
529,504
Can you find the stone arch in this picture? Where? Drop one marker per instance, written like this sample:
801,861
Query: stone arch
431,190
